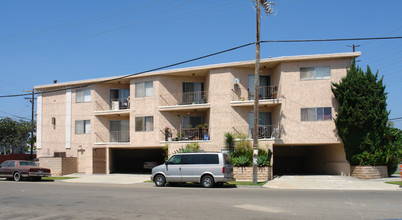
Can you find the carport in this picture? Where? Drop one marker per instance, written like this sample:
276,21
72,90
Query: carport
126,160
310,160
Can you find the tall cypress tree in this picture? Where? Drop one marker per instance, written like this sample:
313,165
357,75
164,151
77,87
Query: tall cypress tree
362,115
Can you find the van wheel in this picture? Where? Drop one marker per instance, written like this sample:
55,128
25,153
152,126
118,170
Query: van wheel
160,180
207,181
17,176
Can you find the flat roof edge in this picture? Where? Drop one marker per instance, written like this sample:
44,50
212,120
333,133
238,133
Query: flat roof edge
281,59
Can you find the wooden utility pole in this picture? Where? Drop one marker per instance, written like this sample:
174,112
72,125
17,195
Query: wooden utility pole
256,90
32,120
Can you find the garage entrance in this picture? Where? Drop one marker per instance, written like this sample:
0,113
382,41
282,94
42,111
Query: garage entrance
138,161
310,160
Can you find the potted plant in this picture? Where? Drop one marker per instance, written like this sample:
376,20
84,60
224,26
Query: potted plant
168,133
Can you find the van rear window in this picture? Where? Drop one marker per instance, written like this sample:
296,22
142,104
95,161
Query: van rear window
200,159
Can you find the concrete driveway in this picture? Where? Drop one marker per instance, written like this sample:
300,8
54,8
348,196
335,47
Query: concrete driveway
332,182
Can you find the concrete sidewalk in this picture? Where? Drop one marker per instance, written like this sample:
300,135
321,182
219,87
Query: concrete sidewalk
330,182
108,178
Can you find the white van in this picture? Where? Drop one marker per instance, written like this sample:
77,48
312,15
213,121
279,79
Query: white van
205,168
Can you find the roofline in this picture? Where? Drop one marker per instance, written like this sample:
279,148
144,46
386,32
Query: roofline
266,61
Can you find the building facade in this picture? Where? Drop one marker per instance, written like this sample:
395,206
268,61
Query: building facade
113,125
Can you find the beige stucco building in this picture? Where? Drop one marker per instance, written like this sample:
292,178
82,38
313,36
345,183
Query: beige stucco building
116,124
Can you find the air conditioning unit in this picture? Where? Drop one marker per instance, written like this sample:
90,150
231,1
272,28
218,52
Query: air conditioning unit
115,105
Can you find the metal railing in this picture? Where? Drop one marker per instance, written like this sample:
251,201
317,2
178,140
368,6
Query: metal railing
113,104
186,98
113,137
264,93
264,131
187,134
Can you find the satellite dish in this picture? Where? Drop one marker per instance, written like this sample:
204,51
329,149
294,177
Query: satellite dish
236,81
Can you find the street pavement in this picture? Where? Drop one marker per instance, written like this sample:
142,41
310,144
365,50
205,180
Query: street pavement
313,182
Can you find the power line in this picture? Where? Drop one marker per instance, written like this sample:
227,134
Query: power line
394,119
206,56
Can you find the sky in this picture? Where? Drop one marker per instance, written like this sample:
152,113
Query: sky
42,41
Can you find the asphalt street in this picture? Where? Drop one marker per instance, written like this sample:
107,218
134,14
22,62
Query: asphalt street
62,200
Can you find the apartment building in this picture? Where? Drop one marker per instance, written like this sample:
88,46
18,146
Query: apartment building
121,125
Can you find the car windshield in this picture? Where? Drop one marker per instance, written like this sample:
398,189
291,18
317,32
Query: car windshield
28,164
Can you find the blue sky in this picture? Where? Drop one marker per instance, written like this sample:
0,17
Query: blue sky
42,41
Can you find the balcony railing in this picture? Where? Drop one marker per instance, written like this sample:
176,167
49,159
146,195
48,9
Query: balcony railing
187,134
113,104
264,93
187,98
264,131
113,137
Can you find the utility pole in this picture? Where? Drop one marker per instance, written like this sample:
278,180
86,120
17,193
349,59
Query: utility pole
354,49
32,119
268,10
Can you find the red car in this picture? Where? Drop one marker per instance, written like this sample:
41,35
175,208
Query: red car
18,169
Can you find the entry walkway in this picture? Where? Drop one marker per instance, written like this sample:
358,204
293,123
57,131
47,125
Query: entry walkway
330,182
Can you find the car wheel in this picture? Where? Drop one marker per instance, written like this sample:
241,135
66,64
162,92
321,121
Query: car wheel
159,180
17,176
207,181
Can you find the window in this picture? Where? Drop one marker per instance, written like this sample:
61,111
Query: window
264,124
318,72
4,164
176,159
82,126
119,131
144,123
144,89
264,87
193,93
200,159
83,95
120,96
11,164
316,114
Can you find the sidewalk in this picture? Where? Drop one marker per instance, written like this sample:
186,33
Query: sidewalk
330,182
107,178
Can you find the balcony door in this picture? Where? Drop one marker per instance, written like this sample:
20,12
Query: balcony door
193,93
119,99
264,91
119,131
264,124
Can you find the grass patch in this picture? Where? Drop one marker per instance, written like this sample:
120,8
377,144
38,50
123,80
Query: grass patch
58,178
395,182
148,181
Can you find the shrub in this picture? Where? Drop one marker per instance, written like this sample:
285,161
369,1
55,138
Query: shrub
263,161
190,148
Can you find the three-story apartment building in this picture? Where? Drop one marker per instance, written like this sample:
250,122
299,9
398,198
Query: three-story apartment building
114,124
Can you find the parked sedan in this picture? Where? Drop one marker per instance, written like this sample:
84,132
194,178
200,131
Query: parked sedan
18,169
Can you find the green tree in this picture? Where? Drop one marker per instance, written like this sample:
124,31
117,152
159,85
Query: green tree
12,133
362,115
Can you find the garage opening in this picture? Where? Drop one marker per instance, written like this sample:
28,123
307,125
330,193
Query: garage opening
136,161
310,160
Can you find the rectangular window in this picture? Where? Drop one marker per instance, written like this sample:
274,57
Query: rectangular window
83,95
144,123
318,72
316,114
82,127
144,89
119,131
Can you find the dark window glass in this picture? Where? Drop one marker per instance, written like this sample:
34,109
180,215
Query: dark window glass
175,160
210,159
4,164
11,164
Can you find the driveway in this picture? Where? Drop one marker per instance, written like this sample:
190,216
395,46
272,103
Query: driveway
331,182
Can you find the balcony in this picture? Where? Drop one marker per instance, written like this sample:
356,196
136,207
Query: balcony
184,101
267,95
120,106
113,137
264,131
187,134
